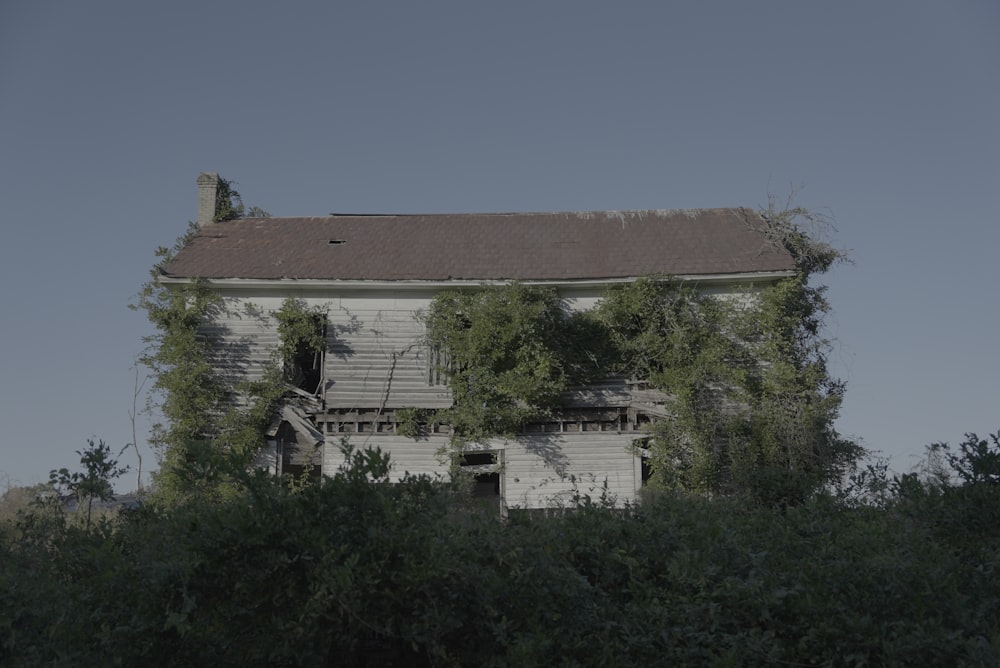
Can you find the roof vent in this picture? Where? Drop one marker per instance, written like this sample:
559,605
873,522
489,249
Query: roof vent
337,242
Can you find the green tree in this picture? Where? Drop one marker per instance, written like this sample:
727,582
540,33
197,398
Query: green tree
95,482
17,499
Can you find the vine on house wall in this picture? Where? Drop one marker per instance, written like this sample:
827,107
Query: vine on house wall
214,426
211,425
511,352
302,332
753,403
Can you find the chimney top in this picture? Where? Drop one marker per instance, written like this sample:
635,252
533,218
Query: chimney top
208,189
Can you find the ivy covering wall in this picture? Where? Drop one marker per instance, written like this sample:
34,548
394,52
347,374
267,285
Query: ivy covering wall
752,402
212,425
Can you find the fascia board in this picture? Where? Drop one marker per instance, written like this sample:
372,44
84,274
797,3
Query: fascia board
298,284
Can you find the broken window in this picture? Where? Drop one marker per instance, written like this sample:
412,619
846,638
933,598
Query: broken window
485,468
306,368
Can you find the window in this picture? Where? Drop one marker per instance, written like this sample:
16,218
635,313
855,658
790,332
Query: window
486,471
306,369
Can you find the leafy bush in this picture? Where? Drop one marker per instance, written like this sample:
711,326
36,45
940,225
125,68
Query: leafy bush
358,571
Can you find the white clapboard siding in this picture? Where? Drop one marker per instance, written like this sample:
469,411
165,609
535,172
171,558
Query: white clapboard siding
406,455
378,358
546,471
537,472
242,344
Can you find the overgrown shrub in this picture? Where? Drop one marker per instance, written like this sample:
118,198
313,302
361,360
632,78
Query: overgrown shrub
358,571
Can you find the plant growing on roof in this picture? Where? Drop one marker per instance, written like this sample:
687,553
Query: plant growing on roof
229,204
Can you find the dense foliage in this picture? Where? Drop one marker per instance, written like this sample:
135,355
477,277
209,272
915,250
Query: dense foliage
752,402
510,354
357,571
302,333
211,421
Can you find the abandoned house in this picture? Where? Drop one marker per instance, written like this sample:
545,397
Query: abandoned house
375,274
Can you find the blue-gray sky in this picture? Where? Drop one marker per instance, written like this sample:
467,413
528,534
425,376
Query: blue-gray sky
886,112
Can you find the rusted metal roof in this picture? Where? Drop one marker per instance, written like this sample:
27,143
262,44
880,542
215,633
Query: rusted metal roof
496,246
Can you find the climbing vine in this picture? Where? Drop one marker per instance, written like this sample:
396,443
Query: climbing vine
212,424
751,399
215,426
510,354
302,332
682,343
229,204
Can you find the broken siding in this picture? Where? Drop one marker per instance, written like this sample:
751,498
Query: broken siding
376,358
377,355
378,361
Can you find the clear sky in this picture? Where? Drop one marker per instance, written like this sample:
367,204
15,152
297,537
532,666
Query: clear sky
887,112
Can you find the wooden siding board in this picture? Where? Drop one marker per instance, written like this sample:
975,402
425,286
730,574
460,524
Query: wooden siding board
378,362
537,472
406,455
378,357
241,346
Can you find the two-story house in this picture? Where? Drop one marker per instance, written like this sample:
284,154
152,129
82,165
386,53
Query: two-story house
375,274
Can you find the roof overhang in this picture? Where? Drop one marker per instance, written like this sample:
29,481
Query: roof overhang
304,284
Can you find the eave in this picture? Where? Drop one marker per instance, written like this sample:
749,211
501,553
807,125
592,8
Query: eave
297,284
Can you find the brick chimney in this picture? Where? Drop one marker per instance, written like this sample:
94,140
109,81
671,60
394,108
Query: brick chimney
208,189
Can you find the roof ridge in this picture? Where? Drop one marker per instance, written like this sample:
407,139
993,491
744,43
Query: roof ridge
689,211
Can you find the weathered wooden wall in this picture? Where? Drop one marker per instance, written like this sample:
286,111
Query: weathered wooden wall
378,361
378,357
537,471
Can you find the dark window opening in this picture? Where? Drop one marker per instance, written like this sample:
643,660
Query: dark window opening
296,460
487,486
647,471
486,480
478,459
307,364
